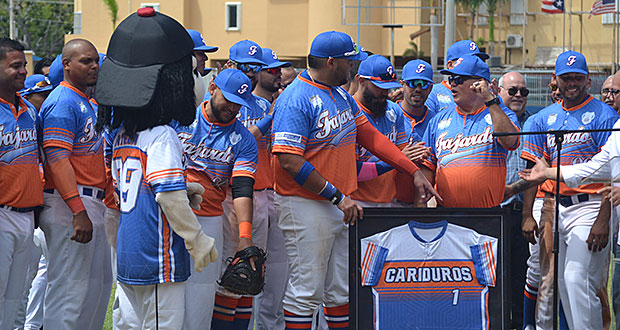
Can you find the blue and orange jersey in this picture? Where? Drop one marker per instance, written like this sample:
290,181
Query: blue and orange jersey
108,142
392,124
148,250
416,124
68,119
216,153
440,97
577,147
249,117
318,122
429,276
469,163
19,155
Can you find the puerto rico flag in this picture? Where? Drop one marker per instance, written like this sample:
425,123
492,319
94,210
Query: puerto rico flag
553,7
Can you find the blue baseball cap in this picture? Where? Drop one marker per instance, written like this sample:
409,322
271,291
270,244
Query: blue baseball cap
417,69
337,45
235,86
379,71
465,47
246,51
571,62
199,42
36,83
271,60
469,65
56,72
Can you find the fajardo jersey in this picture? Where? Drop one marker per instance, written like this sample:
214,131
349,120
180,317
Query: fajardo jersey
578,147
148,251
440,97
429,276
19,155
68,119
469,163
318,122
216,153
381,189
249,117
417,125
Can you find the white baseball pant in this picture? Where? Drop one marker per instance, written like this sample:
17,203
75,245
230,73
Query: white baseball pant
15,248
79,275
200,288
157,306
36,296
532,276
34,263
317,247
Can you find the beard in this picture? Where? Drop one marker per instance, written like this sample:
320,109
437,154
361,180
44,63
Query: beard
217,112
376,105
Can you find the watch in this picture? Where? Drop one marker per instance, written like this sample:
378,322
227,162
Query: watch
493,101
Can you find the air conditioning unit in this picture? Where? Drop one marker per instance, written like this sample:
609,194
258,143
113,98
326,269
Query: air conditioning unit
514,41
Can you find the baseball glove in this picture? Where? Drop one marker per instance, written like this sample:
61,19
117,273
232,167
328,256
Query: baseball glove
239,277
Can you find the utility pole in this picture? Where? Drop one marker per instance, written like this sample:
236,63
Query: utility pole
11,20
449,32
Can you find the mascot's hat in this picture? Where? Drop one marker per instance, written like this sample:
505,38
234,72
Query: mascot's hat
140,46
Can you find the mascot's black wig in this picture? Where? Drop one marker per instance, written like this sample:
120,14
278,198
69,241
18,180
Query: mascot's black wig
173,99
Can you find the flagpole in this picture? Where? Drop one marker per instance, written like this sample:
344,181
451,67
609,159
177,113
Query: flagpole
570,23
564,29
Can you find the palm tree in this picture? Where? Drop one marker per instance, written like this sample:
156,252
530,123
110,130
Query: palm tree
491,9
471,6
113,8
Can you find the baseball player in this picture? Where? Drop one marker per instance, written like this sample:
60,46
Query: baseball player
315,127
219,148
467,163
375,77
78,292
200,51
20,180
581,266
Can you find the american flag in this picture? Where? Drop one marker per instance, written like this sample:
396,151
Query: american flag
553,7
603,7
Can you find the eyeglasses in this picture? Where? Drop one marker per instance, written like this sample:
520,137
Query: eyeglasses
512,91
245,68
457,80
553,87
424,84
607,91
274,71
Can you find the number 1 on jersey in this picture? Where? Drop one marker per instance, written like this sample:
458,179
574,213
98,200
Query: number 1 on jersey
455,297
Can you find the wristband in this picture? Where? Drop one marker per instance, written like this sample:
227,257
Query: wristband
304,172
491,102
75,204
331,193
245,229
264,124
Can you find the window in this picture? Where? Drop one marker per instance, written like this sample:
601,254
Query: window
233,16
77,22
516,12
150,5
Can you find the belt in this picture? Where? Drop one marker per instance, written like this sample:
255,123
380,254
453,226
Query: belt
85,191
568,201
18,209
514,206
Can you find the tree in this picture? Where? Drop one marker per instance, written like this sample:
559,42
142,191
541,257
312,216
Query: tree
413,51
471,6
113,8
491,9
41,26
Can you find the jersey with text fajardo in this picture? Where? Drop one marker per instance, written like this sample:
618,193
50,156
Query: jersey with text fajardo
576,147
216,153
19,155
392,124
148,250
429,276
319,123
249,117
469,163
440,97
68,120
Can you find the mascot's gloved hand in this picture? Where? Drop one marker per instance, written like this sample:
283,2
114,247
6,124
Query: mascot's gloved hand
112,219
183,221
194,193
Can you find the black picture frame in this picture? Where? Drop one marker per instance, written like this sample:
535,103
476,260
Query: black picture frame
492,222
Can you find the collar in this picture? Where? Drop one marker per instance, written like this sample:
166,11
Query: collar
578,106
305,77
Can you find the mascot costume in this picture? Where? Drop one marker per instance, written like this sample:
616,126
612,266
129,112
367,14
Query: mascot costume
146,82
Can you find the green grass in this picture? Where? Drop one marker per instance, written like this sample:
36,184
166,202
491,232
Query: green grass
107,325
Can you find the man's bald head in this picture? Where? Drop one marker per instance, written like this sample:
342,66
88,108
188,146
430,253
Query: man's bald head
513,82
615,85
76,46
80,62
606,92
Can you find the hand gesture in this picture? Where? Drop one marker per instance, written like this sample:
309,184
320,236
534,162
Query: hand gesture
599,234
481,87
538,173
425,189
606,192
417,152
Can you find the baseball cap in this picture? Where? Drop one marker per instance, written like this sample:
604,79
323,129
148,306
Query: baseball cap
379,71
235,86
246,51
199,42
139,47
271,60
465,47
571,62
417,69
36,83
469,65
337,45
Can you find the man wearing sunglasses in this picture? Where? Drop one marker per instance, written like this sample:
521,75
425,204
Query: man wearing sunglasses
200,51
468,164
607,93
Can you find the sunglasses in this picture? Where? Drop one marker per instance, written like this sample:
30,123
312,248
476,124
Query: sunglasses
424,84
553,87
512,91
457,80
607,91
245,68
274,71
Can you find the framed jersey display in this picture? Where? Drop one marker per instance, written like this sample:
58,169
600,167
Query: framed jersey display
438,268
